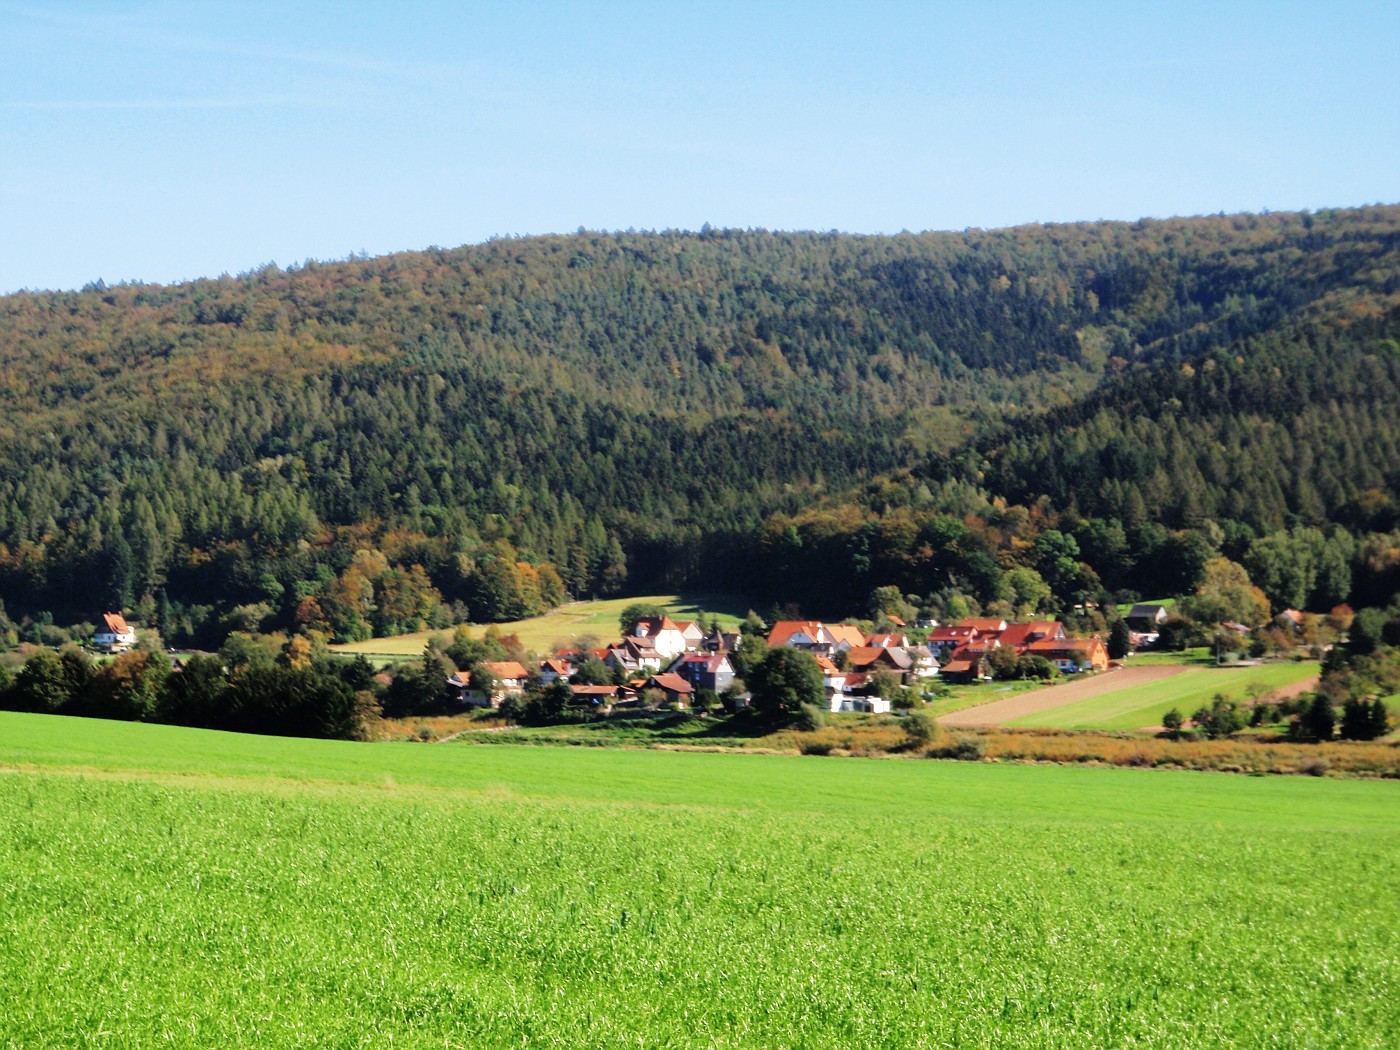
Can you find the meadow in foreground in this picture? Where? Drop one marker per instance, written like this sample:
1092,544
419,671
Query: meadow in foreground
190,888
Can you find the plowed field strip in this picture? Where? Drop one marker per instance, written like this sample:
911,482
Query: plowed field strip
999,712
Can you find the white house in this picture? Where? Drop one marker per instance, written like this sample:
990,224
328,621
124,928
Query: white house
115,634
664,636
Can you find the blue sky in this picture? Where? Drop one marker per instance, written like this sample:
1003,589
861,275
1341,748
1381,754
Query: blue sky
161,141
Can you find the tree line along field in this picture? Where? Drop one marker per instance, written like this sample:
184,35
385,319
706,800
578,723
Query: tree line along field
193,888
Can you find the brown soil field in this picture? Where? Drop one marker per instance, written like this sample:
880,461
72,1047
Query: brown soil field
998,711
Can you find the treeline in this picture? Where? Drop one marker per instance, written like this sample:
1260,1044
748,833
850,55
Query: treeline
377,445
249,687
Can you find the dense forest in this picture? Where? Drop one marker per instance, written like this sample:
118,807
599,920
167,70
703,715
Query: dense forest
1021,419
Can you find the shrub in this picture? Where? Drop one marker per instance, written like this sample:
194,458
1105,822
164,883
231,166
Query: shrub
920,728
816,747
966,748
809,718
1222,718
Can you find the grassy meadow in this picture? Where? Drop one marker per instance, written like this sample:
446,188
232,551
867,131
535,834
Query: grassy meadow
188,888
1144,705
565,624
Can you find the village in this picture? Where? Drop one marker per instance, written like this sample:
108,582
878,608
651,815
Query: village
670,664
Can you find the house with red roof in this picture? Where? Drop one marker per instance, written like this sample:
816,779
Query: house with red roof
676,689
712,671
663,635
943,640
556,670
115,634
1071,655
815,636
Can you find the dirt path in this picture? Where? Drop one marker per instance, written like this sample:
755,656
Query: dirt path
1000,711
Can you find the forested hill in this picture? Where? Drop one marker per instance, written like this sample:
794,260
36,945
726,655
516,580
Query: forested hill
370,444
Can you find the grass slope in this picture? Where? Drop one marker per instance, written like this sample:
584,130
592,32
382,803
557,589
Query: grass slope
543,633
1144,705
193,888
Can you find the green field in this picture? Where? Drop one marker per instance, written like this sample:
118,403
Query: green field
561,627
1144,705
177,887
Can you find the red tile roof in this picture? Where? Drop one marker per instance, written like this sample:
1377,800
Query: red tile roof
672,683
504,669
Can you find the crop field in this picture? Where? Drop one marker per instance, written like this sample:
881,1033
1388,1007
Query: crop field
178,887
540,633
1144,705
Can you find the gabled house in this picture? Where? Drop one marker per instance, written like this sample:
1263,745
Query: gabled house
556,670
1071,655
815,636
718,641
115,634
968,664
712,671
676,689
693,634
987,626
1146,618
870,659
887,641
800,634
646,656
662,634
845,636
943,640
1017,635
510,675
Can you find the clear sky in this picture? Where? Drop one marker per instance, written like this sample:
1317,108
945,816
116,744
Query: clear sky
159,141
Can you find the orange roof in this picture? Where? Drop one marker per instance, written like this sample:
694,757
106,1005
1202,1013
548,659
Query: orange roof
884,641
594,690
116,623
986,624
826,665
506,669
1020,633
957,666
557,666
864,655
1064,645
785,629
672,683
848,633
951,634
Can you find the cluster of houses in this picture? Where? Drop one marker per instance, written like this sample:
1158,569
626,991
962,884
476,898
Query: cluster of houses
673,660
965,646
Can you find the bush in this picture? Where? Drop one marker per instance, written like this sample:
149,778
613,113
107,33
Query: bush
816,747
809,718
1222,718
966,748
920,729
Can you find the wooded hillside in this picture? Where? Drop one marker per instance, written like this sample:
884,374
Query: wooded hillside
374,444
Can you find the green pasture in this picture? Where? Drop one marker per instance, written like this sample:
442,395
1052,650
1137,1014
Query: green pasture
186,888
1144,705
564,625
